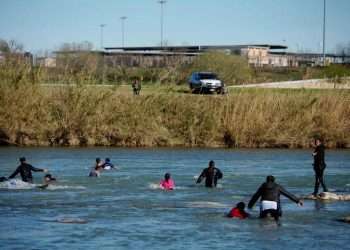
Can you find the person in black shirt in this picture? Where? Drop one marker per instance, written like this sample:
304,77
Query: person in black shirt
25,170
270,203
211,175
319,166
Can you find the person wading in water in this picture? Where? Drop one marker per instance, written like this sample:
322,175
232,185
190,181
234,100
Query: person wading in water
25,170
211,175
319,166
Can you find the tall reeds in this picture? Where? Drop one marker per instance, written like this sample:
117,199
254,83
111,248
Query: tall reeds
85,115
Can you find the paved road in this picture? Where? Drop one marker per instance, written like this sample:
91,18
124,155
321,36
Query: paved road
303,84
306,84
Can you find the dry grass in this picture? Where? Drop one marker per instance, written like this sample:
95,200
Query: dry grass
82,115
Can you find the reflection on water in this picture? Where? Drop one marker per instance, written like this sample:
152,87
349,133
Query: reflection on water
124,209
319,205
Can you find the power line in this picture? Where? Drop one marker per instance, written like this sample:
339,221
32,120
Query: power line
324,32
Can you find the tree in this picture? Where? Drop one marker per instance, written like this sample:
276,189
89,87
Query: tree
343,49
232,69
78,62
4,47
11,46
82,46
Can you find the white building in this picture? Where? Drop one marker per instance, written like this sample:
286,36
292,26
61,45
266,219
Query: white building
47,62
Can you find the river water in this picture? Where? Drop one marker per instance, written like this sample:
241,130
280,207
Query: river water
125,209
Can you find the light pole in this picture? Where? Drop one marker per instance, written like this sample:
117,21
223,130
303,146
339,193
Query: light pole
162,2
123,18
101,33
324,32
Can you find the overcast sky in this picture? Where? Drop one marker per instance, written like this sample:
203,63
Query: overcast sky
46,24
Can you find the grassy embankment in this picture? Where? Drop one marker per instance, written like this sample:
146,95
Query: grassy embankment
78,114
32,115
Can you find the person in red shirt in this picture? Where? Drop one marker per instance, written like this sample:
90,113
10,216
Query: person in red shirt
167,183
238,211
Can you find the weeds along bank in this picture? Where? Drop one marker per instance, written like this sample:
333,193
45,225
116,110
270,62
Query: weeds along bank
81,115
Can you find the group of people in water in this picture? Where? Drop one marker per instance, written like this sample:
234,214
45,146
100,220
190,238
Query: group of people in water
100,166
269,192
25,171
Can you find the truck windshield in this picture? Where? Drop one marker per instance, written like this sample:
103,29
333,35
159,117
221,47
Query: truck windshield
207,76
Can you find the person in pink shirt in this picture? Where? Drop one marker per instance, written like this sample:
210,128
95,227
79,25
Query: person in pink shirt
167,183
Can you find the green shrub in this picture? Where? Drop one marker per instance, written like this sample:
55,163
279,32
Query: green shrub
332,71
232,69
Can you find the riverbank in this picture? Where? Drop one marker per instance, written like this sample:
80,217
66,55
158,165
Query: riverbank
32,115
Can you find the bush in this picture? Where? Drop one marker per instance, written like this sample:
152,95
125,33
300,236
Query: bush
232,69
333,71
82,67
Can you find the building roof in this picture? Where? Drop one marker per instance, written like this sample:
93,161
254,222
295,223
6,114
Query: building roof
196,48
127,52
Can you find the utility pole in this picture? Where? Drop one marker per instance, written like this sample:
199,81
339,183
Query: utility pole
324,32
101,34
161,2
102,49
123,18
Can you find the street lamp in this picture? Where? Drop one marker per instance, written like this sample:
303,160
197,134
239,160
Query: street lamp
161,2
101,33
324,32
123,18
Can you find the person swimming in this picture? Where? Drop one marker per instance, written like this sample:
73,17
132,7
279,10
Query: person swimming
107,165
238,211
98,168
48,179
270,203
167,183
211,175
25,170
